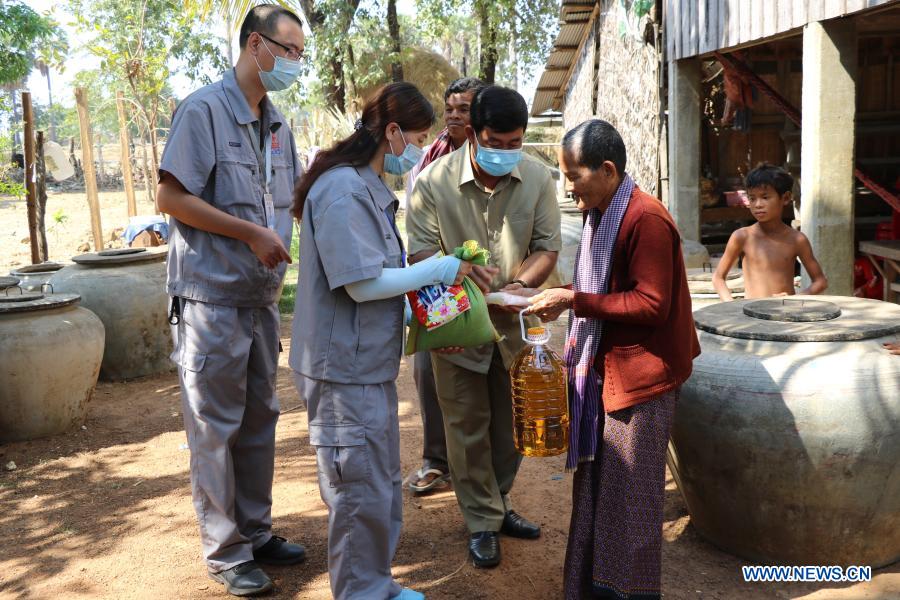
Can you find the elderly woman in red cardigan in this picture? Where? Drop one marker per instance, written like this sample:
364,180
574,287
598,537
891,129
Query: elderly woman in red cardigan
630,346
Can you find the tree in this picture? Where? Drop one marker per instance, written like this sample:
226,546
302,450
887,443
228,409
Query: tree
51,56
139,42
487,29
330,22
232,11
23,32
510,34
394,29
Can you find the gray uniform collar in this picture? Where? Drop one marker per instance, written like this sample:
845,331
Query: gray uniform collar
241,110
382,195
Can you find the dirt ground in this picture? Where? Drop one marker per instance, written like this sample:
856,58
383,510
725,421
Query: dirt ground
63,239
105,511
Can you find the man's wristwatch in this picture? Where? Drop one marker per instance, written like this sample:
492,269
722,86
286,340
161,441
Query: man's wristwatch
520,282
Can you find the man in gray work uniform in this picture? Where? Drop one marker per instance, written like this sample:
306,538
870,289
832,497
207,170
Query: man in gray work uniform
226,178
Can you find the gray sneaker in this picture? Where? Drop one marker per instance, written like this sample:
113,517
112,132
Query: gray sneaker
245,579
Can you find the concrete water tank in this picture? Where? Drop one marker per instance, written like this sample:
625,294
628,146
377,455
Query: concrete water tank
571,226
127,290
702,291
786,438
50,351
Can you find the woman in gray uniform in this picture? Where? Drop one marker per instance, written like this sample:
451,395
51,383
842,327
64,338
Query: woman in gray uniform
348,331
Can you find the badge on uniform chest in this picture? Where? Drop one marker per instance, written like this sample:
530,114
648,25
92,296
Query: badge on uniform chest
276,145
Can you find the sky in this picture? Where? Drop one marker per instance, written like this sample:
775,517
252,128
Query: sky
81,60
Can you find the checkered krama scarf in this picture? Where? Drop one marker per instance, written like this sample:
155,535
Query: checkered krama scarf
593,267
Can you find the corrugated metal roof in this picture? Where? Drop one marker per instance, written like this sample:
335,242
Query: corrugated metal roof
696,27
561,58
575,6
575,17
570,34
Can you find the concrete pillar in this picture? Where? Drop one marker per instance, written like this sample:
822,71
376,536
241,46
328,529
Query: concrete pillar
827,150
684,146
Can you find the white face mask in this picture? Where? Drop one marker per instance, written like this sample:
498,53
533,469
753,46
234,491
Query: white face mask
283,74
399,165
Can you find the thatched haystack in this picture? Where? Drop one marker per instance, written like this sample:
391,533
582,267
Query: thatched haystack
428,71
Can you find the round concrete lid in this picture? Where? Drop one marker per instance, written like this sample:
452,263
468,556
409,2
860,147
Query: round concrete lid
30,302
706,274
8,282
792,310
858,319
121,256
45,267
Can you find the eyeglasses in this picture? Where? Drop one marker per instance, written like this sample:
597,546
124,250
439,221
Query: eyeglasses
290,53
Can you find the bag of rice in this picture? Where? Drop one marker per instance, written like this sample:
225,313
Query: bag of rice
451,315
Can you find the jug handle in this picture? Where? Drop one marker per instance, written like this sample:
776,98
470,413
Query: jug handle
522,322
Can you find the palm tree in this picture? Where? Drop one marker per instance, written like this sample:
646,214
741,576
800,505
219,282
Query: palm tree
233,13
44,68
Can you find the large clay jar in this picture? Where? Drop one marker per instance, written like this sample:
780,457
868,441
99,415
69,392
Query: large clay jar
50,351
702,291
786,439
33,277
696,256
127,290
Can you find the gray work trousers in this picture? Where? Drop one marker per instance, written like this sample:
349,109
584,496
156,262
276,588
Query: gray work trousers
434,441
356,433
227,358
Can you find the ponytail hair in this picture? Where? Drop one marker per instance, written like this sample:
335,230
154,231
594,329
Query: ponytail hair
401,103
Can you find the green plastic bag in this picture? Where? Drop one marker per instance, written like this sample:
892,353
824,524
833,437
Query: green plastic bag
471,328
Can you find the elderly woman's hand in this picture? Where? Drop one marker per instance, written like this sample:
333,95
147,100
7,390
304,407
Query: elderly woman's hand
550,304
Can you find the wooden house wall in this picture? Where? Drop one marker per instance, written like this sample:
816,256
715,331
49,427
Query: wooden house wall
701,26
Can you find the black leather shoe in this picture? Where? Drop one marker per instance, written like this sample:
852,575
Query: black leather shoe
517,526
245,579
484,547
279,551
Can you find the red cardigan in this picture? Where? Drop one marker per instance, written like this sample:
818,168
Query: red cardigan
648,343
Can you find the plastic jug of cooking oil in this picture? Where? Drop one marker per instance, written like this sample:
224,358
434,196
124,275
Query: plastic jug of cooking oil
540,397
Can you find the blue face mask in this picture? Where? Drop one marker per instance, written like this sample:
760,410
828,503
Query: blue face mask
283,74
400,165
497,162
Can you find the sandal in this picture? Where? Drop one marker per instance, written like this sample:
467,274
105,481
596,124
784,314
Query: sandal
427,479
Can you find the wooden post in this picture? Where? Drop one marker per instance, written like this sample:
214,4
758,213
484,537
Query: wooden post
148,181
87,163
41,192
73,160
31,198
126,155
100,166
154,168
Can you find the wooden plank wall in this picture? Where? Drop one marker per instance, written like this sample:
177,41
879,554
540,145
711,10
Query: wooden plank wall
702,26
878,115
729,153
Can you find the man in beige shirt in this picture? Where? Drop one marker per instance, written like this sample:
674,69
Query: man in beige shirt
489,192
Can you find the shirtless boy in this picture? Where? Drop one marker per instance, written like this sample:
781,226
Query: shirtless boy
769,247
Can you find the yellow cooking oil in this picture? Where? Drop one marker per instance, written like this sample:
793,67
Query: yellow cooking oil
539,398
